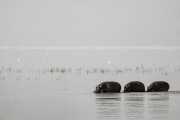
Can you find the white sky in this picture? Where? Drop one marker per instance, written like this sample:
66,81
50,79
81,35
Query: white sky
89,22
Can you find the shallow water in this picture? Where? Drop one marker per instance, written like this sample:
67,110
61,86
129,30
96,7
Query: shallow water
72,97
59,84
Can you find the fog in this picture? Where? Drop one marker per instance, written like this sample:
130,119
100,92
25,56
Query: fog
90,22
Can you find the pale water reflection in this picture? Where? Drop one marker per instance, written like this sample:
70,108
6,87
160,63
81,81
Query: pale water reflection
108,106
134,106
141,106
158,106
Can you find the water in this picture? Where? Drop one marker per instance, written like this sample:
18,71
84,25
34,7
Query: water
35,88
72,97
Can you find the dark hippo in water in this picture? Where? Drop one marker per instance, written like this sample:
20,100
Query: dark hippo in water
108,87
134,86
158,86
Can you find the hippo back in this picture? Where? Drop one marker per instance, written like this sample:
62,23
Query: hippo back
134,86
106,87
158,86
113,86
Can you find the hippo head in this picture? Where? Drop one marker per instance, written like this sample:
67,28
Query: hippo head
99,89
127,88
149,89
152,87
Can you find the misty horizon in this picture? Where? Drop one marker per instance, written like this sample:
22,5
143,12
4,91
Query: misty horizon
93,23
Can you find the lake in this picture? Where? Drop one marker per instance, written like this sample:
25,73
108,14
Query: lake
59,84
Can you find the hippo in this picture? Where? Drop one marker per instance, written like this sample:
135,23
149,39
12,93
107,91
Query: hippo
134,86
158,86
108,87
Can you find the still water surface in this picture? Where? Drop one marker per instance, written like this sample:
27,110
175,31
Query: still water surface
58,84
72,97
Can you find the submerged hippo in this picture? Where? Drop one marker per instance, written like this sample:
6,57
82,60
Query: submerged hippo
108,87
134,86
158,86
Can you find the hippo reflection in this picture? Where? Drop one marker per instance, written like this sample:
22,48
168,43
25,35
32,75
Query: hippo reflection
134,86
108,87
158,86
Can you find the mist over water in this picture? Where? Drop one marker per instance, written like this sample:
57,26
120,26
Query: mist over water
92,57
59,83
